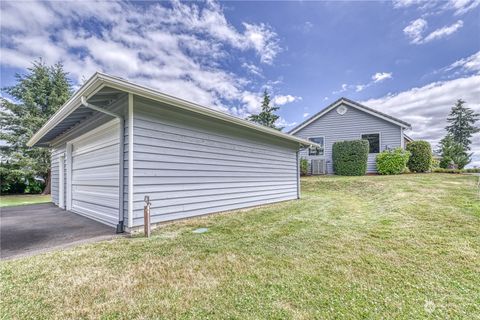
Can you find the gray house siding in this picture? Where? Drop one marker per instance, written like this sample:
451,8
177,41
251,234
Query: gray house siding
190,165
55,173
350,126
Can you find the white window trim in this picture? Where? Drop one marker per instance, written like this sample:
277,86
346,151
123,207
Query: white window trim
379,141
319,155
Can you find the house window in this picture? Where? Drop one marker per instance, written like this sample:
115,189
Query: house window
317,151
374,141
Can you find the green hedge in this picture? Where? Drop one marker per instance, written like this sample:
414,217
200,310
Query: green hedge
350,157
421,156
392,161
469,170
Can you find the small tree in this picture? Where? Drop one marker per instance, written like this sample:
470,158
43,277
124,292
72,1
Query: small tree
37,96
421,156
462,124
267,116
453,154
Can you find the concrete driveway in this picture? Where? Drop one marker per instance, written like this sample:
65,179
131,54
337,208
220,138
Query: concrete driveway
32,229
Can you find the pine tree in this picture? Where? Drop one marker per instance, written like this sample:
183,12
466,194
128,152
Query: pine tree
37,95
453,154
267,116
462,124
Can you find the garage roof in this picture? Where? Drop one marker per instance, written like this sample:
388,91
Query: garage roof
99,87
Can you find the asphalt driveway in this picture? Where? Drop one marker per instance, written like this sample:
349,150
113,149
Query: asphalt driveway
31,229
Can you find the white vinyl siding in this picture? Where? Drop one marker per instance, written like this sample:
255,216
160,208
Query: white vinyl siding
190,165
350,126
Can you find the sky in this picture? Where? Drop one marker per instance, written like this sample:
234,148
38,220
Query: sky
408,58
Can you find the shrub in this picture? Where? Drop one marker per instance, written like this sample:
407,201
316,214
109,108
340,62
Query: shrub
303,167
392,161
469,170
350,157
421,156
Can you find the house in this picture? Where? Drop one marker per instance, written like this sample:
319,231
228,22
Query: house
348,120
115,142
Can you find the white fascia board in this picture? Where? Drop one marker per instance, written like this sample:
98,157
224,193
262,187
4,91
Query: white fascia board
88,89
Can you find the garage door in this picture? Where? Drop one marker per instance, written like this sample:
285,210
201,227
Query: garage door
95,174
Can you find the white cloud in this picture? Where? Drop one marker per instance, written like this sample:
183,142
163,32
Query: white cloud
306,114
459,7
415,30
177,48
376,78
253,69
462,6
381,76
427,107
280,100
443,32
281,122
469,64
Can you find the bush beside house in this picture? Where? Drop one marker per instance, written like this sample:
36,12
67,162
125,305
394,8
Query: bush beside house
421,156
392,161
350,157
303,167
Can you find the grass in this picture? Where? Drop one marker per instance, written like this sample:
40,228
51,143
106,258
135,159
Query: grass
22,199
375,247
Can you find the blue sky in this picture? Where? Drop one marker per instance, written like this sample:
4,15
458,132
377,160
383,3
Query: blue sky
408,58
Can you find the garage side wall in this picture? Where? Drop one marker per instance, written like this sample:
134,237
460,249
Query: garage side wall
56,152
190,165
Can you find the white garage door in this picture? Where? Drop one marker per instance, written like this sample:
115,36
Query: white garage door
95,174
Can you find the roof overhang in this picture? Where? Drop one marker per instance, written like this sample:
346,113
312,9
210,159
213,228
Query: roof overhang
100,80
355,105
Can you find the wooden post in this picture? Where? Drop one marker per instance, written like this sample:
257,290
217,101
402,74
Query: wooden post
146,217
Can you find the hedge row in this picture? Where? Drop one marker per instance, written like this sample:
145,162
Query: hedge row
470,170
350,157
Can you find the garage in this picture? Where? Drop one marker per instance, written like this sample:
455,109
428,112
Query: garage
95,174
188,160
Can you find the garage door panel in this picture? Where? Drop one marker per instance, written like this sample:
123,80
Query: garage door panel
103,157
95,175
101,213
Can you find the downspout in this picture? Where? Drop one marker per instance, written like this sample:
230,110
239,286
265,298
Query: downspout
120,225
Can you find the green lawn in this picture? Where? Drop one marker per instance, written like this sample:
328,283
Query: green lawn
21,199
378,247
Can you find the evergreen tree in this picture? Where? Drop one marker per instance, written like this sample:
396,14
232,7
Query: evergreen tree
267,116
37,95
453,154
462,124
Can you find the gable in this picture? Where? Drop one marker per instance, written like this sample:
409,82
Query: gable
346,103
349,125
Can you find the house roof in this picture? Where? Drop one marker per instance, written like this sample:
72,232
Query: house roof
71,113
408,138
355,105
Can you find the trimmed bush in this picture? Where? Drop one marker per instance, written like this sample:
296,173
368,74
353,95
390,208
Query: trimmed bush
421,156
392,161
350,157
303,167
469,170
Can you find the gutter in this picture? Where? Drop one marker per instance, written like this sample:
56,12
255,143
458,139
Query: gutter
83,101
